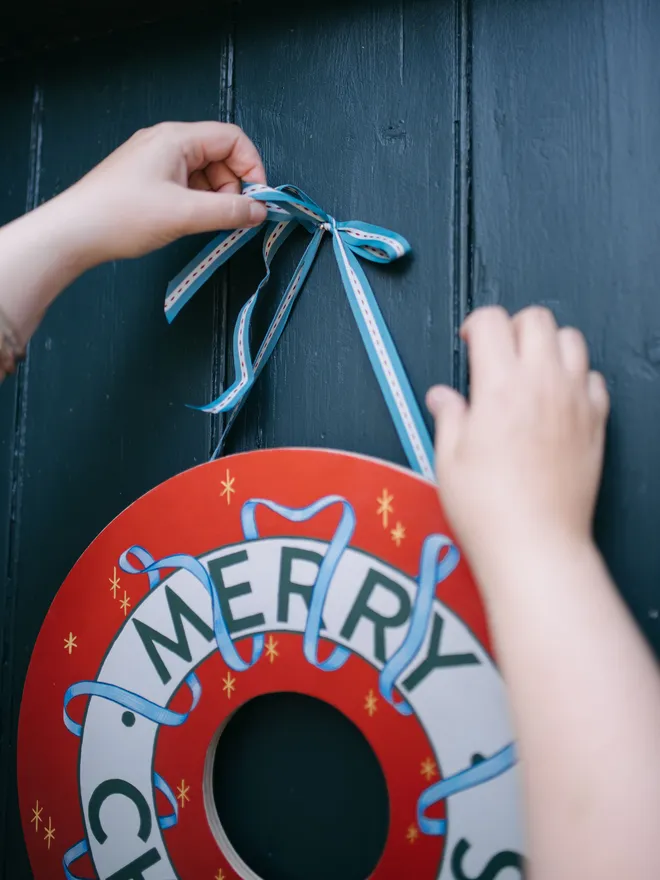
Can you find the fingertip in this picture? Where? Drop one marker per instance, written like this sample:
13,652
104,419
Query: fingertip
436,397
258,175
599,393
258,212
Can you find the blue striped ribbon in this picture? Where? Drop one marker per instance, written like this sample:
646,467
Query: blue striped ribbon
288,207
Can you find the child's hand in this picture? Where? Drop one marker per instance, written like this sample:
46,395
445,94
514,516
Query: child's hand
520,464
165,182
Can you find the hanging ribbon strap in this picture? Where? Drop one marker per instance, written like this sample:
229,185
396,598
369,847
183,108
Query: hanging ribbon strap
288,207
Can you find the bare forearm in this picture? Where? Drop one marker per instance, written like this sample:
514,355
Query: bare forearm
38,259
168,181
585,692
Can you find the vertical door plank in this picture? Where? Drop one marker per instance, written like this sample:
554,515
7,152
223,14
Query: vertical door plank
17,174
354,105
566,213
109,380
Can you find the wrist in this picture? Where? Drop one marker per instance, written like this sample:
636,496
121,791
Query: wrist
39,257
63,229
510,561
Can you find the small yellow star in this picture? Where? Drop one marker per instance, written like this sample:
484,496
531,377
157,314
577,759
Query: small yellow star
370,703
429,769
398,534
70,643
271,649
50,832
36,816
220,875
412,834
229,684
385,507
114,582
125,604
228,487
182,793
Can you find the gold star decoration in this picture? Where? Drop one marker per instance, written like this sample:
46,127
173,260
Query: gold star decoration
36,816
271,649
50,832
371,703
228,487
114,582
385,507
220,875
412,834
70,643
429,769
182,793
229,684
398,534
125,604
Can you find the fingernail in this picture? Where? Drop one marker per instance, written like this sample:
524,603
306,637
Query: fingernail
434,398
258,212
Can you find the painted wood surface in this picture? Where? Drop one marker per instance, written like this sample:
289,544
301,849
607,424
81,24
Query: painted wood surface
565,212
514,145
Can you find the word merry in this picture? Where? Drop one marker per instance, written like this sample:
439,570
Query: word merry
157,643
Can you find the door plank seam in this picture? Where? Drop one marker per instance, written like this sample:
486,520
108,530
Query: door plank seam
17,477
463,213
221,339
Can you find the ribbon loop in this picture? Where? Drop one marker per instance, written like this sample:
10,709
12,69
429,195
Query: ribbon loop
340,541
288,207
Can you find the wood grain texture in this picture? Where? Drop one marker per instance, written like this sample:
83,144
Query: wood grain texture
566,127
20,103
358,110
514,144
109,380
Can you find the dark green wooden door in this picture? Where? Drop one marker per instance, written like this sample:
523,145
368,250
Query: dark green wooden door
514,145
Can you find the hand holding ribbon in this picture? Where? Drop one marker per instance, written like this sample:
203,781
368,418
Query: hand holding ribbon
288,207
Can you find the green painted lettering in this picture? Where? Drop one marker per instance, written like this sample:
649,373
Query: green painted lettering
435,660
381,622
288,587
179,644
226,594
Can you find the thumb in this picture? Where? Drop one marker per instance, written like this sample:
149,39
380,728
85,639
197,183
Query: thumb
448,408
207,211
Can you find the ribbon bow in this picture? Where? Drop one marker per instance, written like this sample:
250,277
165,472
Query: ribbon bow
287,207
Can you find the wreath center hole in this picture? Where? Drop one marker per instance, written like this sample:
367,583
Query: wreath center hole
298,791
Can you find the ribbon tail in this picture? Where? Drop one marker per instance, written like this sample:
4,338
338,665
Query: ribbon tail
181,289
275,330
172,818
72,855
386,363
276,235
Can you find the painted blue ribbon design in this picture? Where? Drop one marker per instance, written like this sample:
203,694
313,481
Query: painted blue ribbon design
288,207
439,558
433,569
82,847
133,702
480,772
333,554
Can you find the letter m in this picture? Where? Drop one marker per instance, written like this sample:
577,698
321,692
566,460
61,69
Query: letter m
179,644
